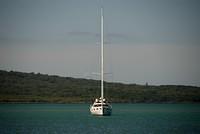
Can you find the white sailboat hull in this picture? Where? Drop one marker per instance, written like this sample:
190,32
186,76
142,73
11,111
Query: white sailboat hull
104,111
101,108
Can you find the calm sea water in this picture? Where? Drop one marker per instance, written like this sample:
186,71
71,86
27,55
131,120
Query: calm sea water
76,119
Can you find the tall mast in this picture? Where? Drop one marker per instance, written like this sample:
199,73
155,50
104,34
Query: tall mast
102,53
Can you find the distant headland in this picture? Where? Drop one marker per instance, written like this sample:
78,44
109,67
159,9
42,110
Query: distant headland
19,87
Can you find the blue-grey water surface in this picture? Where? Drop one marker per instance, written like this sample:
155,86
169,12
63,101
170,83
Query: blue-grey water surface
76,119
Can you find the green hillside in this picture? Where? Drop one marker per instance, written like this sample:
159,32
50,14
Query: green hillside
31,87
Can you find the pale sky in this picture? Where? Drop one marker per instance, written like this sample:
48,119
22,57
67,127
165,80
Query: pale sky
154,41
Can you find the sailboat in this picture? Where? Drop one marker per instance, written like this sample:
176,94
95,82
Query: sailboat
101,106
